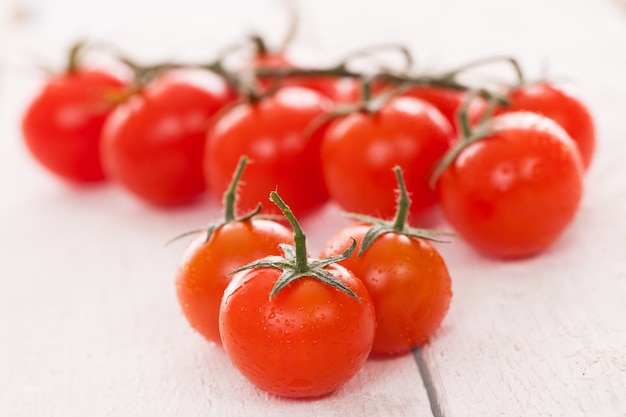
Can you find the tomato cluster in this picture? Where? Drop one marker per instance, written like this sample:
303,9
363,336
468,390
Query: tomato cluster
298,326
504,164
509,185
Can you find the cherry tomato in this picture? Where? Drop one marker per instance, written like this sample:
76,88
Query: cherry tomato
152,144
307,341
360,149
408,281
62,125
282,156
514,192
203,273
560,106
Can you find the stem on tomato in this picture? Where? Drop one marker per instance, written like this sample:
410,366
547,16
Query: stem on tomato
260,47
298,234
73,57
482,61
231,193
366,92
367,52
404,202
463,116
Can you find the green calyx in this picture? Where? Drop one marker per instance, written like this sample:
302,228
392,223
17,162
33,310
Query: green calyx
230,204
296,264
399,223
469,135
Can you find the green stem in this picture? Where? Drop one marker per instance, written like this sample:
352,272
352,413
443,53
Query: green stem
298,234
366,91
231,192
334,71
260,47
482,61
463,116
404,51
404,202
72,59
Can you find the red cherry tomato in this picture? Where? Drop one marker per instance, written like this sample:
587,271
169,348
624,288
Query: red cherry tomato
514,192
307,341
560,106
408,281
202,275
152,144
62,125
359,151
282,157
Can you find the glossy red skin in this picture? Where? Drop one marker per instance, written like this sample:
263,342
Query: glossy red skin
309,340
449,102
408,281
152,144
565,109
360,150
203,271
272,134
514,192
337,89
63,123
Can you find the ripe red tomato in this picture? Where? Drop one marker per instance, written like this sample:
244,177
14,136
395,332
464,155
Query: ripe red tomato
359,151
513,193
560,106
62,125
282,157
203,272
152,144
307,341
408,281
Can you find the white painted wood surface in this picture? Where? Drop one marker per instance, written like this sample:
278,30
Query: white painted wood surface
89,324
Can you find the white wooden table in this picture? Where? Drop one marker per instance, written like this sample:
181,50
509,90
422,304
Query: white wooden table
89,323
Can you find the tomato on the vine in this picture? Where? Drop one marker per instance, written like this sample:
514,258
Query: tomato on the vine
294,326
273,133
562,107
203,271
360,149
513,191
405,275
152,144
62,125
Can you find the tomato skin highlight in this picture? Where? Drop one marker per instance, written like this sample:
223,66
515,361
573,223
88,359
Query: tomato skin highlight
152,145
514,192
359,151
271,133
62,125
309,340
408,281
557,104
203,272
